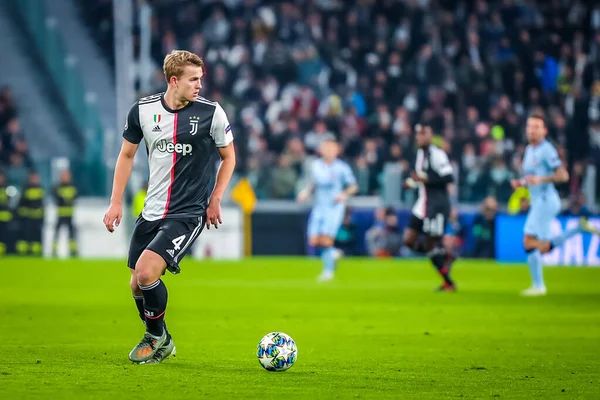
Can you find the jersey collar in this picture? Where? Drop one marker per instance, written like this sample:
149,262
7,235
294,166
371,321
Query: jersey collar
169,109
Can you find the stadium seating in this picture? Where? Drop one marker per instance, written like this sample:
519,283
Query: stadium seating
288,72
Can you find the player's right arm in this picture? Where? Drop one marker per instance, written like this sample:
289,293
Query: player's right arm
305,193
132,136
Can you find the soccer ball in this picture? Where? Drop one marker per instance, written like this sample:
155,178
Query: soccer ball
276,352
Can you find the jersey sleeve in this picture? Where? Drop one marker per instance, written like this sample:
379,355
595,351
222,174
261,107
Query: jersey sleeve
220,130
441,164
552,159
132,132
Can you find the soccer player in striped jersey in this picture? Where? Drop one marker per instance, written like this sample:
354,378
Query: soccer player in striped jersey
186,136
433,172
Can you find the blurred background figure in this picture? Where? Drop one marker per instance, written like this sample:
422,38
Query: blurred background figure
346,238
292,73
30,212
484,228
454,236
5,215
137,204
384,238
65,195
576,206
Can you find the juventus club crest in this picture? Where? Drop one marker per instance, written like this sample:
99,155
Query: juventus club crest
194,125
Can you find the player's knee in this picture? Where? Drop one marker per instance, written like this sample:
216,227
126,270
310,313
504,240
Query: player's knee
529,243
409,241
146,274
133,284
326,241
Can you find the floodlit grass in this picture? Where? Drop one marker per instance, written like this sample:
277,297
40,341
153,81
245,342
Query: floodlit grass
377,331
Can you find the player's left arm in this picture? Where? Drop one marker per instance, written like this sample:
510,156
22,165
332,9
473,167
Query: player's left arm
350,185
220,131
225,171
552,160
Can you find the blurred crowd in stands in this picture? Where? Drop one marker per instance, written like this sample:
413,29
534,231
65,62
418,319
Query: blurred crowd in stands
290,72
15,161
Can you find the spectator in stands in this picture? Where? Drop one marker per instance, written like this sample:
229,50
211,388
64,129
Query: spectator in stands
454,235
367,71
576,207
385,240
283,180
524,206
345,241
484,229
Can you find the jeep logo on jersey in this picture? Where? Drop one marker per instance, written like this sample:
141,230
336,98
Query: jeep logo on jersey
170,147
194,125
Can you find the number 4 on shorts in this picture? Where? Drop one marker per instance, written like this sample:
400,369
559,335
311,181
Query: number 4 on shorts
177,242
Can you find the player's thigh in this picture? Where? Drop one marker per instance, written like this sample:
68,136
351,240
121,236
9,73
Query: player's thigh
175,237
149,267
143,233
331,225
539,220
315,220
434,224
549,212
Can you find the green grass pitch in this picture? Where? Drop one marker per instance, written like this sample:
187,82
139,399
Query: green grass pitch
378,331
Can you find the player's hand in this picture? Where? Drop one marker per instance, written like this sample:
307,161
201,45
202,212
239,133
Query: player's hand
213,213
341,197
112,217
302,196
409,183
533,180
419,177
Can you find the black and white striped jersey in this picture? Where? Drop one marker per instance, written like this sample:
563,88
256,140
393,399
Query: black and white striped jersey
182,153
433,194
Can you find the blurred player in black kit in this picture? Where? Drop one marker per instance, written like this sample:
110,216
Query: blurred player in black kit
433,172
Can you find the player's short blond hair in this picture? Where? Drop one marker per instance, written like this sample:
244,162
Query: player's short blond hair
177,60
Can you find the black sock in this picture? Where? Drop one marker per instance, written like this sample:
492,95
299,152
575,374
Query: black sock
139,303
438,257
155,304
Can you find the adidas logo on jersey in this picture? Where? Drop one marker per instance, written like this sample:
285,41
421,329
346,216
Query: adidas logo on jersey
171,252
156,129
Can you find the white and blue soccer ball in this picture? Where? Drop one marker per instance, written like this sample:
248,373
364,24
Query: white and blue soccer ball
276,352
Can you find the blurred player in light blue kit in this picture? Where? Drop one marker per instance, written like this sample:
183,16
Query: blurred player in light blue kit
542,168
333,182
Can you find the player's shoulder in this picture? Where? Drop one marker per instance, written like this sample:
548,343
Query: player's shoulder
203,102
437,152
549,146
341,164
435,149
149,104
208,106
153,98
